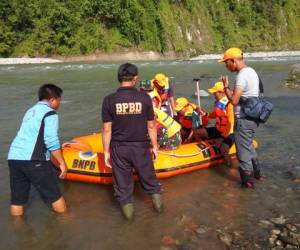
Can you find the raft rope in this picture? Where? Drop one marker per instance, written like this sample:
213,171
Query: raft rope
81,145
184,155
68,144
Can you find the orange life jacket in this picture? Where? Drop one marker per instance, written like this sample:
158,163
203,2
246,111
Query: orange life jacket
223,113
186,119
164,92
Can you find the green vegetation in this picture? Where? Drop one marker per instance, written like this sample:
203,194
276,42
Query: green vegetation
78,27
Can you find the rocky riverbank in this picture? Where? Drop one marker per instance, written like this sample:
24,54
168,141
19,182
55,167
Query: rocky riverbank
293,81
256,232
279,233
26,60
139,56
103,57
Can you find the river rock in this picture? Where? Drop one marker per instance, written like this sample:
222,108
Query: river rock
288,246
294,172
201,230
295,236
168,240
291,227
288,240
219,218
284,232
237,233
279,243
275,232
265,223
293,80
272,239
225,237
187,222
280,220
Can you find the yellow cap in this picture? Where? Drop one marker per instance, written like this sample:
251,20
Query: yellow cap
180,103
219,86
231,53
161,79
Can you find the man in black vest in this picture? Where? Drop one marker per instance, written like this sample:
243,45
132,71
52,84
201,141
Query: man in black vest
128,122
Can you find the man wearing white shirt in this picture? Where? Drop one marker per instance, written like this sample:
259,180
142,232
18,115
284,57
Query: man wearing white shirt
246,85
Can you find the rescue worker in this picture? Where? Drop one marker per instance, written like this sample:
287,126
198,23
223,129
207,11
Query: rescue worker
32,150
224,117
190,116
168,130
246,85
163,86
128,122
148,87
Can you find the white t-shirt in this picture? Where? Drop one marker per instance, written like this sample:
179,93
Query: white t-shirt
247,80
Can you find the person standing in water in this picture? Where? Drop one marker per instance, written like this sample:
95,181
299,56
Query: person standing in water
29,154
128,122
224,122
246,85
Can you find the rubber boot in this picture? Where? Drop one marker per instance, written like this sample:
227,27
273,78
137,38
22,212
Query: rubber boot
257,170
246,178
128,211
157,203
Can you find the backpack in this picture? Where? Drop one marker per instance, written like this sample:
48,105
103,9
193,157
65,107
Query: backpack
257,108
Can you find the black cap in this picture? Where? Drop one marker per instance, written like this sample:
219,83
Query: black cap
127,72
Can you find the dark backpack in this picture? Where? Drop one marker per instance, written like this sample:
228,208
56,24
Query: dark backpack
257,108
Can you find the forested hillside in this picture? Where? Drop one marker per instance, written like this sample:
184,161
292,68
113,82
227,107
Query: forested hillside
79,27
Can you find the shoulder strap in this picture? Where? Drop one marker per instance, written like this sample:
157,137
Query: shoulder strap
49,113
261,86
40,147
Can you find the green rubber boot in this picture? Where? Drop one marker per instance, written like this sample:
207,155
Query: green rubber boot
128,211
157,203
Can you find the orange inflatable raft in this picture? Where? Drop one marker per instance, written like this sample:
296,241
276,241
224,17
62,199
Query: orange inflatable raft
85,161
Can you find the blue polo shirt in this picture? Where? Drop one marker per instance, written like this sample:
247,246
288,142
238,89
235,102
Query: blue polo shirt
37,136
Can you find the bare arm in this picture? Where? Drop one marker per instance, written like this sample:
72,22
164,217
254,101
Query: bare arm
233,96
153,136
106,138
58,157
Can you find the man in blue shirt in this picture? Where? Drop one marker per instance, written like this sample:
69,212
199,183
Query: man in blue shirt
30,152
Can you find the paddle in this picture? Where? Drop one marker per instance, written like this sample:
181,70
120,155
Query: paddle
197,80
202,93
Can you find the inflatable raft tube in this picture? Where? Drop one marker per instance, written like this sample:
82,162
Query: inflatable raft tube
85,161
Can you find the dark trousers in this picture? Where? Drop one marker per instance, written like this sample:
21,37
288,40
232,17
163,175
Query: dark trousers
244,132
125,161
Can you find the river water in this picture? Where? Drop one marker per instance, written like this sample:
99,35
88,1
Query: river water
198,205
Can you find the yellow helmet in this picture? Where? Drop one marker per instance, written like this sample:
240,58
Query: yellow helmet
161,79
180,103
218,87
232,53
